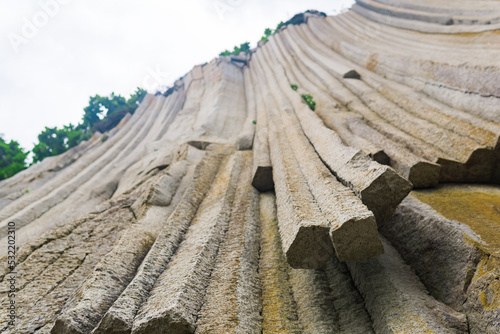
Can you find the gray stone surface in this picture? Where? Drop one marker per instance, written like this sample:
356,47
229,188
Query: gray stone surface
327,108
440,251
420,172
262,168
352,316
162,191
232,302
398,302
380,188
246,138
353,228
279,309
121,314
51,269
108,279
179,291
482,307
303,227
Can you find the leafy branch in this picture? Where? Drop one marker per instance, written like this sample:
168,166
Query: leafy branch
309,100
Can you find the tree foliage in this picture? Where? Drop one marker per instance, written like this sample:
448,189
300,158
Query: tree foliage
54,141
12,158
102,114
101,107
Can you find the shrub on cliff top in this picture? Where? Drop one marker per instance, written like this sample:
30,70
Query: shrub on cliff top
244,47
12,158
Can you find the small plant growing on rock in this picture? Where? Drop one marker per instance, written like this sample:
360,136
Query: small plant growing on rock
244,47
254,122
294,87
279,26
309,100
268,32
104,138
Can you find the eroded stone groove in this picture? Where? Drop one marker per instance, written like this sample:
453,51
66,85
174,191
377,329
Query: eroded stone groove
279,310
232,302
304,300
398,302
120,316
352,316
102,287
303,228
178,294
45,294
262,168
434,239
378,186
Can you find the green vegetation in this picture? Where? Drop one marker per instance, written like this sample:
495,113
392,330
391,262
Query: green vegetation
306,97
297,19
254,122
268,32
53,141
115,107
309,100
12,158
245,47
102,114
279,26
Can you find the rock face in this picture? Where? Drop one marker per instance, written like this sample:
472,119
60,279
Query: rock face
268,192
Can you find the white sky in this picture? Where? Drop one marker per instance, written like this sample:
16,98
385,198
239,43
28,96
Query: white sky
93,47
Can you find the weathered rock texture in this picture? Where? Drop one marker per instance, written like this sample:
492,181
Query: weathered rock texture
228,204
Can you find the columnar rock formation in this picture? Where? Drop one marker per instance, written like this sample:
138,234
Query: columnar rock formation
230,204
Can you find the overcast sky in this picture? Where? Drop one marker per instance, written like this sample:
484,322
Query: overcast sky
55,54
